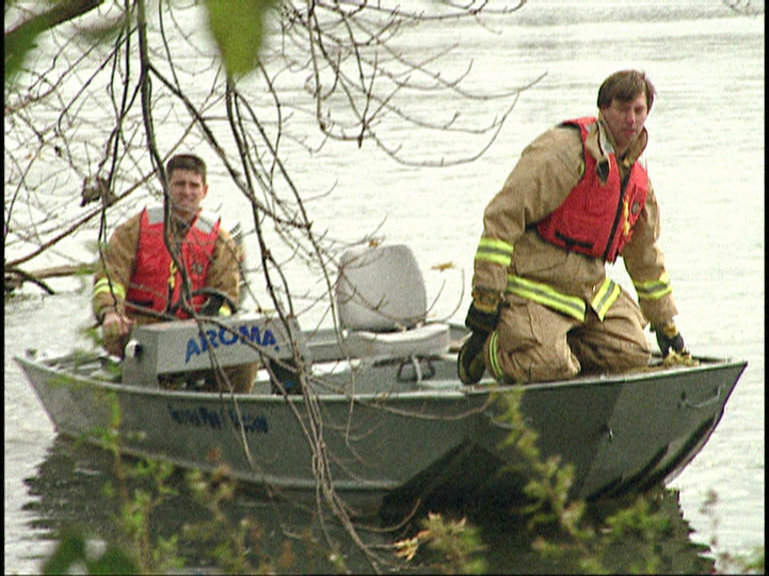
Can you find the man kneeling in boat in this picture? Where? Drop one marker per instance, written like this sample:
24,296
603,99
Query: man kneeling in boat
138,281
579,196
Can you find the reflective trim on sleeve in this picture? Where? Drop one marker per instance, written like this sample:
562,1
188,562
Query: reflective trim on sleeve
495,251
103,285
547,296
654,289
606,296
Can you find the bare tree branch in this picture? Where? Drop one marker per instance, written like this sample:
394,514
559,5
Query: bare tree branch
58,13
90,125
745,7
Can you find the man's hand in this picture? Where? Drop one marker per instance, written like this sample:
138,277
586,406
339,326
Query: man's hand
470,361
672,346
483,314
115,330
482,318
668,337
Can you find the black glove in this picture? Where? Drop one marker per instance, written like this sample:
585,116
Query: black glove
669,337
470,362
212,306
483,314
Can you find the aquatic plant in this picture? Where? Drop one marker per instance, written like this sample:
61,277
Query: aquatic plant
455,545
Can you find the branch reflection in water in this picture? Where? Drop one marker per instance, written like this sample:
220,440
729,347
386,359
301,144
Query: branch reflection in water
69,490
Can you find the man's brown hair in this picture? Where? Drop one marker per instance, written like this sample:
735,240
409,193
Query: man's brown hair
624,86
186,162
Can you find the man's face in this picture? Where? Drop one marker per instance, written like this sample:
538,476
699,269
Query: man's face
626,120
187,191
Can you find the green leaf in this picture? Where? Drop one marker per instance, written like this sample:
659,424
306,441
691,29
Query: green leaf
18,45
238,29
69,552
113,561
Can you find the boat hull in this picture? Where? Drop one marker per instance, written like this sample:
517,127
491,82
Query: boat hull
432,439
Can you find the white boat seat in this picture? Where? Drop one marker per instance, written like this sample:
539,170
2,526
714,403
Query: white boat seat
382,305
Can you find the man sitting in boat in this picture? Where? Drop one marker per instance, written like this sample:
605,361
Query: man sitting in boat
579,196
138,281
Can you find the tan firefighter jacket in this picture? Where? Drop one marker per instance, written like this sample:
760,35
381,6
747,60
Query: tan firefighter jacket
111,281
513,258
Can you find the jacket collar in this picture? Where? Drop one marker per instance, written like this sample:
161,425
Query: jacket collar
600,144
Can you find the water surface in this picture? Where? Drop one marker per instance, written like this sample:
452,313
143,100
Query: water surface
705,159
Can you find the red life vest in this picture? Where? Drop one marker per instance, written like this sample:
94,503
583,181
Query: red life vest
156,283
598,215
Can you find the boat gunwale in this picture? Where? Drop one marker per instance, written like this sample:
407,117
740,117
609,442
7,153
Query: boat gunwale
483,388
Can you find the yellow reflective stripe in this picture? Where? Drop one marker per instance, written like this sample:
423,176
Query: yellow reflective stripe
172,269
494,367
626,217
654,289
495,251
605,297
103,285
547,296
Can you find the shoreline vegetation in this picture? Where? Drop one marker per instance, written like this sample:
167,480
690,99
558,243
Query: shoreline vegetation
637,534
